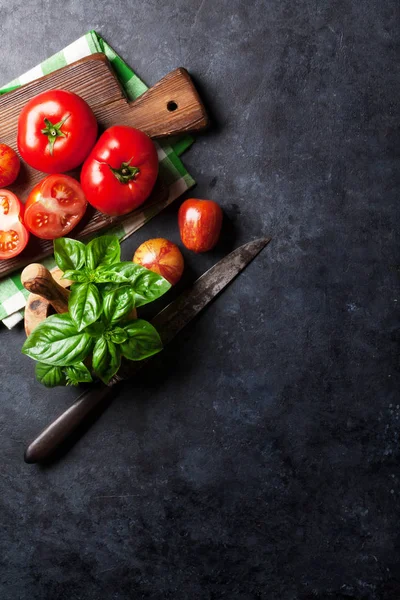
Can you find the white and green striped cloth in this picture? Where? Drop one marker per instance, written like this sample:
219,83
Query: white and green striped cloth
12,294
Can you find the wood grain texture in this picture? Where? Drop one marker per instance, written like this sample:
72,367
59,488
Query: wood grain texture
172,106
37,307
93,79
37,279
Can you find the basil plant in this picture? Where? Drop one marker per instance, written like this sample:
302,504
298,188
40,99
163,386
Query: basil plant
98,330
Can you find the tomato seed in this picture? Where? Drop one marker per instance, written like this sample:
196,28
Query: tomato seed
65,220
10,240
5,205
41,219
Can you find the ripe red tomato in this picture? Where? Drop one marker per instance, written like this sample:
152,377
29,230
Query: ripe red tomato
162,257
13,235
200,223
56,131
54,206
9,165
121,170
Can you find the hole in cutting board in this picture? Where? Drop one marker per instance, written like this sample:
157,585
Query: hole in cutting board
172,105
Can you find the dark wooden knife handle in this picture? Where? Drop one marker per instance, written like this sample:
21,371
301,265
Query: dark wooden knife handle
67,423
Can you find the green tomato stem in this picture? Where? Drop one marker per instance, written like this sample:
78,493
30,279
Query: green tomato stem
126,172
53,132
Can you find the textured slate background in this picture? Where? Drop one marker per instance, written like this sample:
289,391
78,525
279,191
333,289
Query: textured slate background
259,458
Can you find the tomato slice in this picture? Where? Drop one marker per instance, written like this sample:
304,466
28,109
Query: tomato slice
13,235
54,207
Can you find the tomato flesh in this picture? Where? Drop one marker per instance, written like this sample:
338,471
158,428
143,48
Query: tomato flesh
54,207
13,235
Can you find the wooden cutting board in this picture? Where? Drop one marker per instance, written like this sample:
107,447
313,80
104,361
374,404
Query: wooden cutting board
170,107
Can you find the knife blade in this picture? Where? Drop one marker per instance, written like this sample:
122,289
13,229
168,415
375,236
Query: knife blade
169,322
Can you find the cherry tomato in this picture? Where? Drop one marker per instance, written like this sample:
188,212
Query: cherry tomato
54,206
162,257
9,165
200,223
56,131
120,171
13,235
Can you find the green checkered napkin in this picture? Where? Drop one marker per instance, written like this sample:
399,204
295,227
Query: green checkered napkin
12,294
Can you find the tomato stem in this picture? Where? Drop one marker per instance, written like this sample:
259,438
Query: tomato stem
125,173
53,132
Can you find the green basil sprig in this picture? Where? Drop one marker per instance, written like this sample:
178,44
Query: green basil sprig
142,340
118,303
84,304
98,331
99,263
148,286
52,376
104,250
136,340
78,373
106,358
57,341
69,254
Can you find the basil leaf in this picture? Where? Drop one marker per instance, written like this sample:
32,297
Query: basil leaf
78,276
128,270
109,287
49,375
118,335
57,341
84,304
95,329
148,286
78,373
143,340
118,303
106,359
69,254
104,275
103,250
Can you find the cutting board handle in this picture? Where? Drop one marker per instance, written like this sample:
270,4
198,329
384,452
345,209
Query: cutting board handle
170,107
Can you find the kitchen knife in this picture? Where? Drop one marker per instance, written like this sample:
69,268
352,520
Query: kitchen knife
168,323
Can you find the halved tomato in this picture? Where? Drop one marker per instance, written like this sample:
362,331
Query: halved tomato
54,206
13,235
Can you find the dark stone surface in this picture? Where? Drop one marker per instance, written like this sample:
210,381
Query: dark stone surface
259,457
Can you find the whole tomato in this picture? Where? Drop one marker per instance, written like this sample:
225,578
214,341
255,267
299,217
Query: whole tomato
162,257
200,223
13,235
54,206
56,131
9,165
121,170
